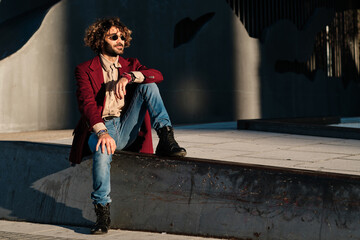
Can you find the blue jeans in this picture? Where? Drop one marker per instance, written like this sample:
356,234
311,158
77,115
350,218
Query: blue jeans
124,131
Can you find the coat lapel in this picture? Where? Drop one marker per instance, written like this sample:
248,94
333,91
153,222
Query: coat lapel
96,73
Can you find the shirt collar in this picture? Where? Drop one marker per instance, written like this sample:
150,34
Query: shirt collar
106,63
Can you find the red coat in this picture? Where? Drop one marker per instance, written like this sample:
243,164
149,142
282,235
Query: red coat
91,98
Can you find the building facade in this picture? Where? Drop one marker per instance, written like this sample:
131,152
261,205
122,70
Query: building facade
222,60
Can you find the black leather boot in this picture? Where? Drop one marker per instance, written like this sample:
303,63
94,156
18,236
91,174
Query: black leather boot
167,145
102,224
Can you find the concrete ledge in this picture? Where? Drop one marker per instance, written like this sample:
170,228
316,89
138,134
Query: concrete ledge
302,126
212,198
185,196
37,184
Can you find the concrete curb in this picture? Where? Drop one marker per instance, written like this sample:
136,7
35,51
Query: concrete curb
39,185
183,196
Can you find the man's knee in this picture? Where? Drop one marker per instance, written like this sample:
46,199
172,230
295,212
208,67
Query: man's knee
148,88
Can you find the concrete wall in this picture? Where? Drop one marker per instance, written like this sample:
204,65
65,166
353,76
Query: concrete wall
219,74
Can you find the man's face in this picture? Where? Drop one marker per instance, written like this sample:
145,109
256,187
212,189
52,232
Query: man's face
114,42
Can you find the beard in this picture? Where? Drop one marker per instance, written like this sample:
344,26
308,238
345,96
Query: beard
112,51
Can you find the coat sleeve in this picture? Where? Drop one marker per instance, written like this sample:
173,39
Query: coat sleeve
86,98
151,75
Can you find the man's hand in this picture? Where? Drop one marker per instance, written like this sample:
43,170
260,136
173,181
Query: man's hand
106,141
120,90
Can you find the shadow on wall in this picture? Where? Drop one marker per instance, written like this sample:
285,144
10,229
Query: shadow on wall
310,63
335,50
21,28
186,29
199,79
37,184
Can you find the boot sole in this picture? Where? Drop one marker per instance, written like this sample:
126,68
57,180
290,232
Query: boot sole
178,154
99,233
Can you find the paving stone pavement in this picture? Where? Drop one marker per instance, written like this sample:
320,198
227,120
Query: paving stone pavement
24,236
218,141
11,230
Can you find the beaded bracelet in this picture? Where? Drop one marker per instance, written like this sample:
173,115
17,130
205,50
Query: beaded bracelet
102,132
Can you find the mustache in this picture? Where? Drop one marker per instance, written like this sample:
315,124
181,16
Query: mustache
117,45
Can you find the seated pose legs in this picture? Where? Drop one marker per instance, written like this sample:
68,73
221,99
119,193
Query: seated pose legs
125,130
113,119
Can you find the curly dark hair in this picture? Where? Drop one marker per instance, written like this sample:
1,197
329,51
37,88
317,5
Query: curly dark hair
95,33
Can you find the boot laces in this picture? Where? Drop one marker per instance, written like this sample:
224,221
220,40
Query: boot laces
168,137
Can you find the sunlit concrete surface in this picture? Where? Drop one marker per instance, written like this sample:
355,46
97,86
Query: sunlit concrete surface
25,231
222,141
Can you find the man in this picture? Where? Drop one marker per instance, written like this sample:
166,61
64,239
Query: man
117,99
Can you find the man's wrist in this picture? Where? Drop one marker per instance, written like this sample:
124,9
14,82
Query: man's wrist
98,126
129,76
138,76
102,132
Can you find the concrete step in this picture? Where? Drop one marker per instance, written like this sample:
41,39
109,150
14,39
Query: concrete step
189,196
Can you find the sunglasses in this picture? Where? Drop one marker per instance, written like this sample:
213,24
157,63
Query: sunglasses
115,37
